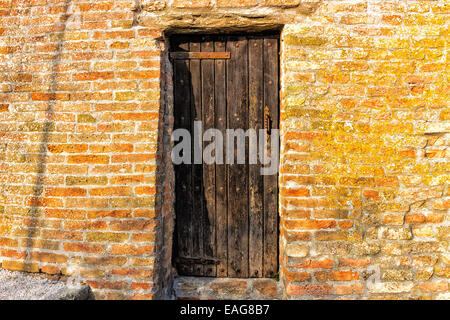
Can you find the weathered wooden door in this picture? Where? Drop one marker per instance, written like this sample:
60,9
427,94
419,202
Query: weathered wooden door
226,214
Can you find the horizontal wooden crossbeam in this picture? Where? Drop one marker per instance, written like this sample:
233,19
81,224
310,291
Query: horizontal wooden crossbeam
200,55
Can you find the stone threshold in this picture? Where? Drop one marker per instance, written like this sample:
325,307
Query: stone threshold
203,288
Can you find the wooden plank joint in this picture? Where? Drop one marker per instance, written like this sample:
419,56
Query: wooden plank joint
200,55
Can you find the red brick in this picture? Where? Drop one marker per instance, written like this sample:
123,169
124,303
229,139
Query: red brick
309,224
310,289
65,192
136,273
84,247
140,286
131,250
93,159
433,286
296,276
51,269
50,96
48,257
354,262
126,225
415,218
313,264
348,289
372,194
110,191
300,192
103,284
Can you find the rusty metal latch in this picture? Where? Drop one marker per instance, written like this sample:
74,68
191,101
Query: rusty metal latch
199,55
267,120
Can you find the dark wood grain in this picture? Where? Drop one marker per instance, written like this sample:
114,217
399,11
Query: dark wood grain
256,239
237,94
271,92
221,170
197,167
183,172
209,170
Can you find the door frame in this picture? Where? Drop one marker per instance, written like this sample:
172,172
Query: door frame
169,90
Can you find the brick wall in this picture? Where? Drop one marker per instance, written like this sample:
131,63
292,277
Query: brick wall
85,119
365,170
80,110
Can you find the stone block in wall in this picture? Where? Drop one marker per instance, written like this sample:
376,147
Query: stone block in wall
226,288
191,3
237,3
153,5
282,3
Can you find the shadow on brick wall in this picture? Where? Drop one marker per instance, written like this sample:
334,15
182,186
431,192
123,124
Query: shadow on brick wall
47,129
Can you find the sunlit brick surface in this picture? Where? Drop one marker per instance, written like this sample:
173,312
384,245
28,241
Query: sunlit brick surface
85,112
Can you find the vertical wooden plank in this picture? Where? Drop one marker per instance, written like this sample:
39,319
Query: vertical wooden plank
271,98
237,93
256,239
209,170
183,174
197,213
221,174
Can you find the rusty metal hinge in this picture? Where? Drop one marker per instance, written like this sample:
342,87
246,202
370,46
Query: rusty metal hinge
267,120
200,55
